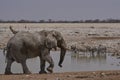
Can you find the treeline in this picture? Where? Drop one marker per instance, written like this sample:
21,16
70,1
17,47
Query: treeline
62,21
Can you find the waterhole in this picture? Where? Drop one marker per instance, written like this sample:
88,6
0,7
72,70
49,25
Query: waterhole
72,63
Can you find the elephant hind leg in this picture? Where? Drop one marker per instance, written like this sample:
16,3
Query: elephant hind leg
25,68
8,67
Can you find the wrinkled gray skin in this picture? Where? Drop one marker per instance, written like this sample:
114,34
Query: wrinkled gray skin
24,45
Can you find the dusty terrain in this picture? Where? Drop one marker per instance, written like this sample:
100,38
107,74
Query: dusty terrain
97,75
79,35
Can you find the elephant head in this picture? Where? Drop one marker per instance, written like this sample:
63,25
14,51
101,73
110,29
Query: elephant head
61,44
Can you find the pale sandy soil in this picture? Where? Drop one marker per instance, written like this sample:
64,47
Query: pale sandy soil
80,35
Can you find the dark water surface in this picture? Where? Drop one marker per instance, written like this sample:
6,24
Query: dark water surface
72,63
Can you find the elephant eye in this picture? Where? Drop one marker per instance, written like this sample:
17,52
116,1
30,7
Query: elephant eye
49,43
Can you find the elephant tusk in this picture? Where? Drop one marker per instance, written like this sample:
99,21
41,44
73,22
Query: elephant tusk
67,48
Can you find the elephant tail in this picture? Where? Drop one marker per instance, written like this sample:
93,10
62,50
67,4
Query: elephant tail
5,53
13,31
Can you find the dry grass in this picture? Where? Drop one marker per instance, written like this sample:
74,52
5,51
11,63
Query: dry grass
105,38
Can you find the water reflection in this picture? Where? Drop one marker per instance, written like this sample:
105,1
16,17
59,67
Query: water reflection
88,58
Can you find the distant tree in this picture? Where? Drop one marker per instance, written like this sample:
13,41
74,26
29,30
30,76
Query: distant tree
42,21
1,21
88,21
96,21
21,21
110,20
49,20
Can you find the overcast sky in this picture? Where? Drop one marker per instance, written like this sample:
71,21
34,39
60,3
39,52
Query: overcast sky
59,9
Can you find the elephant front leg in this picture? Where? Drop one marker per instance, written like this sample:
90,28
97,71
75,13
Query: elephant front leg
50,61
42,66
25,68
46,56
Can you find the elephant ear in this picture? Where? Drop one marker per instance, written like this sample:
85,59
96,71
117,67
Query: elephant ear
60,41
44,33
51,43
57,35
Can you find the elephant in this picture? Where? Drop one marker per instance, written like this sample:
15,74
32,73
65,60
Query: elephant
24,45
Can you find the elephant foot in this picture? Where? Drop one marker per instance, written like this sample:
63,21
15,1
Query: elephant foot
42,72
8,73
50,70
28,72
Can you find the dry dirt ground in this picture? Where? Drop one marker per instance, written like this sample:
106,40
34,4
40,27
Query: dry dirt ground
80,35
97,75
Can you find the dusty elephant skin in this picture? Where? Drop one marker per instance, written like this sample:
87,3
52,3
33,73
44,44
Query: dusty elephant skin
24,45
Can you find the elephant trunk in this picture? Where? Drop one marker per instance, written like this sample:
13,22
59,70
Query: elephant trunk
62,55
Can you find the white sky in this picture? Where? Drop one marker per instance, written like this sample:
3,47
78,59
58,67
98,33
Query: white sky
59,9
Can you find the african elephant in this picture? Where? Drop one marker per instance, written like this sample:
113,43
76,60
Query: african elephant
24,45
